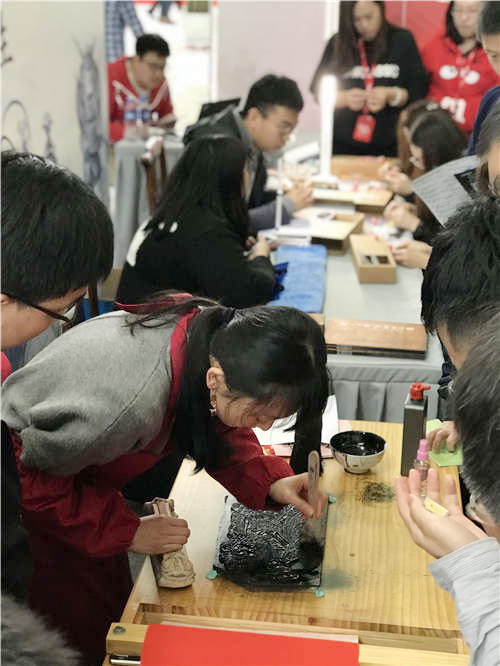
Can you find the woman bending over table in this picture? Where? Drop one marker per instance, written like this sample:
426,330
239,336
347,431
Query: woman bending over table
112,396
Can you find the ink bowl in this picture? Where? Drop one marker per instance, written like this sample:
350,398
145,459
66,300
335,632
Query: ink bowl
357,451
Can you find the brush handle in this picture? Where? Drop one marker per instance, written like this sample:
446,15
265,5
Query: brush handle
313,468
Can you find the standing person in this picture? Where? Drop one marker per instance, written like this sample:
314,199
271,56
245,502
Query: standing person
140,77
378,70
196,377
459,69
264,125
164,9
119,15
41,281
196,240
489,33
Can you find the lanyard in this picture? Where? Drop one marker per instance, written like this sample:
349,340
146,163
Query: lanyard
368,72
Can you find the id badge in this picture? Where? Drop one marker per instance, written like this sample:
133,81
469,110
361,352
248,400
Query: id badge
364,128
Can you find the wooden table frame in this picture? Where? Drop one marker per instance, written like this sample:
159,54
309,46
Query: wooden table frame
427,633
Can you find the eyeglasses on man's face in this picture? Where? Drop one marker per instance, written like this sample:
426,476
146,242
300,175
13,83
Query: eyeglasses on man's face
155,67
67,315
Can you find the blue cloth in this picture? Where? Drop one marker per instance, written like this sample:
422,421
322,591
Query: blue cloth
305,279
489,100
119,14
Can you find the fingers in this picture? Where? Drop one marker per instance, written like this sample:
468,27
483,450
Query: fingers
414,482
452,439
402,498
434,486
320,504
450,499
434,438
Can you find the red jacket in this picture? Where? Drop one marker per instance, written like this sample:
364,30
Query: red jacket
458,82
120,86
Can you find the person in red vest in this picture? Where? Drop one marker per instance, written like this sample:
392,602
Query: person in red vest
458,66
140,77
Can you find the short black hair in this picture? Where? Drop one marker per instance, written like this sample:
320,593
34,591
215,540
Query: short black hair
488,137
463,273
489,18
57,235
476,396
150,42
272,90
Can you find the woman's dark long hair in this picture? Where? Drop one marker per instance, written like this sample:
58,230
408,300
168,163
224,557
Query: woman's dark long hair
346,53
266,353
209,175
450,28
441,141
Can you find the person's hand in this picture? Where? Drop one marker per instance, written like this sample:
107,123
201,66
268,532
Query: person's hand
354,98
437,535
160,534
301,194
293,490
250,242
398,182
412,254
377,98
261,248
402,216
444,433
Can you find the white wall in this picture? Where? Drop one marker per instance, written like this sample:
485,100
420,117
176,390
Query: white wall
54,75
269,36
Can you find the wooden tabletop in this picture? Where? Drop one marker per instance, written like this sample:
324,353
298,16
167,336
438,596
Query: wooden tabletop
375,579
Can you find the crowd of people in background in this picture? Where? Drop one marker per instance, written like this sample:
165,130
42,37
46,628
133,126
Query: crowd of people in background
164,376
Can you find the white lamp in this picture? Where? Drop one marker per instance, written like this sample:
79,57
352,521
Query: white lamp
327,98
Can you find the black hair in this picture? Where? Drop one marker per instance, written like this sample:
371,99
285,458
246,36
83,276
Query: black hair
489,18
439,137
463,273
488,137
406,119
346,52
272,90
266,353
57,235
209,174
476,397
150,42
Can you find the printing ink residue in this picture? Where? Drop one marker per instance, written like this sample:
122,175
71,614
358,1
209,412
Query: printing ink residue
262,549
376,492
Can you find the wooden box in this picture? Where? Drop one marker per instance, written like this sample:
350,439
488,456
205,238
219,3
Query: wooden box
331,228
354,166
375,338
372,259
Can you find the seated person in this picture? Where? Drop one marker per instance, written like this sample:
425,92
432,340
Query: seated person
488,150
434,139
140,76
468,559
268,118
463,274
459,70
195,242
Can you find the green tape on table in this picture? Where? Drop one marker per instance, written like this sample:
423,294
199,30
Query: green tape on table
443,457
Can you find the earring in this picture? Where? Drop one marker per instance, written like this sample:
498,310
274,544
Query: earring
213,409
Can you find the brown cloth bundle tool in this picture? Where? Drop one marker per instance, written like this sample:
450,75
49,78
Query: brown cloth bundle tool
171,569
312,537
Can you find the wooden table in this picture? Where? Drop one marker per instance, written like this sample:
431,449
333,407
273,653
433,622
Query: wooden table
375,579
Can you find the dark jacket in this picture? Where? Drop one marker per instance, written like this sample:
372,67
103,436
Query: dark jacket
224,123
201,254
487,103
16,555
400,66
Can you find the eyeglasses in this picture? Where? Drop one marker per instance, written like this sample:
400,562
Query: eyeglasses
416,161
67,316
284,128
154,67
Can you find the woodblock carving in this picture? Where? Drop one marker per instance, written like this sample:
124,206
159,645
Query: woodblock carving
176,568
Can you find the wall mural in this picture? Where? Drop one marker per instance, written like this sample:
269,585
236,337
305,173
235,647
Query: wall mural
40,113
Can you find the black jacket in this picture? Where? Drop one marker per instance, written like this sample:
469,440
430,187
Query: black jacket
400,66
225,123
203,255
